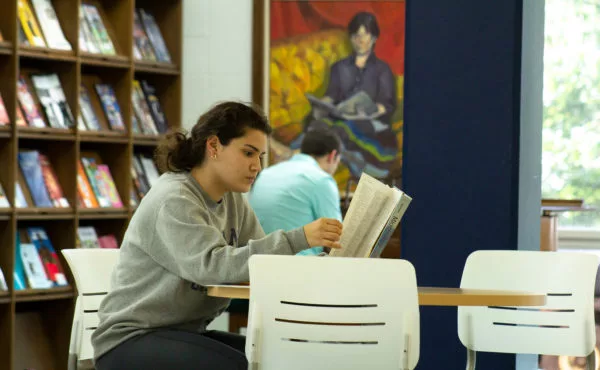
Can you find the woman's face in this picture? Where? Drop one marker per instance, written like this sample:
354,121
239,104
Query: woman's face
362,41
239,162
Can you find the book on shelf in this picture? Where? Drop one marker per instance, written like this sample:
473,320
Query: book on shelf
141,43
108,241
29,162
108,186
84,189
3,286
95,181
20,200
4,203
150,169
87,111
86,39
48,256
28,104
99,33
142,110
87,237
53,100
52,185
155,36
19,281
33,266
50,25
20,119
110,105
374,212
29,24
158,116
4,119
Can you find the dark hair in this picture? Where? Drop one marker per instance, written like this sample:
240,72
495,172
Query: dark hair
228,120
364,19
320,142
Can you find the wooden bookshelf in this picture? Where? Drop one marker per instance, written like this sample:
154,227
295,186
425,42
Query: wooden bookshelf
35,324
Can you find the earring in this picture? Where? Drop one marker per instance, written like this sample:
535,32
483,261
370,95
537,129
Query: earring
214,156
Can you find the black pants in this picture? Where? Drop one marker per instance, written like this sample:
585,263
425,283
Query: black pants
172,349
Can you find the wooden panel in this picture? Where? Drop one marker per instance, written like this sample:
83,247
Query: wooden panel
67,12
6,330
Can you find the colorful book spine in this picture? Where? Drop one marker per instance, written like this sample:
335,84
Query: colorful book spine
84,188
48,255
52,184
4,119
29,162
111,190
111,106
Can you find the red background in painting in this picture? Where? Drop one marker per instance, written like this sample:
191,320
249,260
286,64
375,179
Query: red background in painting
290,18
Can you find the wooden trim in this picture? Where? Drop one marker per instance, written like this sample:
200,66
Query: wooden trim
258,52
428,296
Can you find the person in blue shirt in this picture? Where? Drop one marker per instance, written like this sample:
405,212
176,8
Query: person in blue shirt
302,189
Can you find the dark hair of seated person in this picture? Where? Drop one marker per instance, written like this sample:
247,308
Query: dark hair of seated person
320,142
227,120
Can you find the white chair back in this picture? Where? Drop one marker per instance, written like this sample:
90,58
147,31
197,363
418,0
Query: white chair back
92,269
332,313
564,326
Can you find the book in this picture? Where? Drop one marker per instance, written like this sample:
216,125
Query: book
374,212
54,102
50,26
32,263
87,111
4,120
98,29
111,107
3,286
87,42
20,200
29,24
155,36
19,271
87,237
150,169
29,161
142,110
27,103
52,185
158,115
84,188
141,41
108,241
358,106
4,203
48,256
108,185
91,169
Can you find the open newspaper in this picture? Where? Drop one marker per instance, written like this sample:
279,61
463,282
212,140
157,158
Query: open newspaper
374,213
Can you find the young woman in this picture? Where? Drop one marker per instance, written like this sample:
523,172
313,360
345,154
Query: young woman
193,228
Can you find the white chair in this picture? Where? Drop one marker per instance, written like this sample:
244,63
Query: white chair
332,313
92,269
564,326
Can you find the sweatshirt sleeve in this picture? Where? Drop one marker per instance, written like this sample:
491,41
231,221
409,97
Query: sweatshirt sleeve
186,244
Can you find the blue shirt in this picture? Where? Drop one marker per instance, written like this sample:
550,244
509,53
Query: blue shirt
294,193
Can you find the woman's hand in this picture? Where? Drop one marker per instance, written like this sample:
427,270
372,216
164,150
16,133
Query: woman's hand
324,232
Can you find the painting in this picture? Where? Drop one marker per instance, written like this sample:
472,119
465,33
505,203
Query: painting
336,64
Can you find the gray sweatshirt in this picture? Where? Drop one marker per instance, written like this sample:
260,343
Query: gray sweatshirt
179,240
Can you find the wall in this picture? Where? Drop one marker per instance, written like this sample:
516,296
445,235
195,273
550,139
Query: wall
217,46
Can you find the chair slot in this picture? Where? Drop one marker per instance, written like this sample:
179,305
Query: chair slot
330,323
328,305
532,325
532,309
559,294
297,340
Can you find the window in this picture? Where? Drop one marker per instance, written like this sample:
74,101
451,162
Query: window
571,129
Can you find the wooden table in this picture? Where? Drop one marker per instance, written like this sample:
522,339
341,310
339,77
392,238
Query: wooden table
428,296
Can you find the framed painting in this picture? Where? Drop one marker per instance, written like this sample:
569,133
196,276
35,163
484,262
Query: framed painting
337,64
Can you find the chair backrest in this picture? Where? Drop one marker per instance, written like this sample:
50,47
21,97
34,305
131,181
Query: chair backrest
564,326
332,313
92,269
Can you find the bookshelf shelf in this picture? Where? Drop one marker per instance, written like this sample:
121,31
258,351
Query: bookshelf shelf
146,140
28,52
104,137
6,48
156,68
88,59
103,213
35,324
37,295
46,134
43,214
5,132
